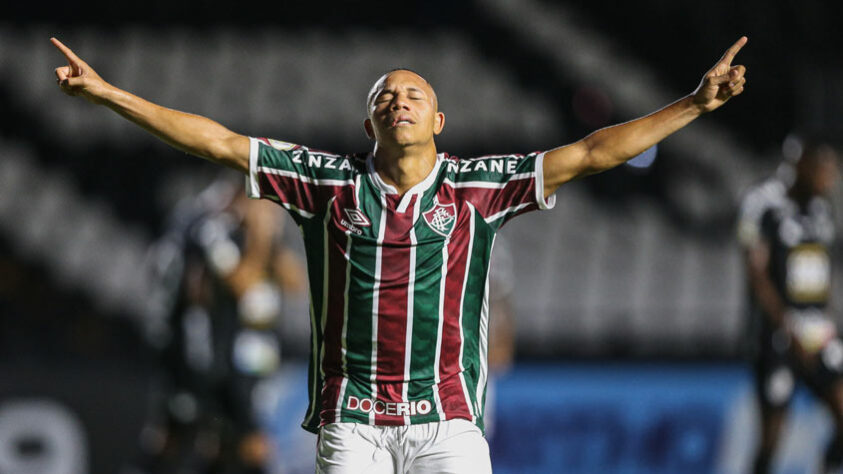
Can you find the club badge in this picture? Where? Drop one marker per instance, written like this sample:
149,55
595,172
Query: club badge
441,218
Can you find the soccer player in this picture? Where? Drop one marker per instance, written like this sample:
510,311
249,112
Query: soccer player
398,243
217,274
787,231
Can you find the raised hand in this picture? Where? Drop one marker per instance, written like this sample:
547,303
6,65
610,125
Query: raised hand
77,78
721,82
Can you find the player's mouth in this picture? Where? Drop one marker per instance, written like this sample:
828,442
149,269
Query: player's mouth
402,121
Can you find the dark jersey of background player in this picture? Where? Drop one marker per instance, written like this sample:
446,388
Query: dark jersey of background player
788,231
215,270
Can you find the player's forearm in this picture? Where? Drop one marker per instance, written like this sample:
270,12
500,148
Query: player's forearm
612,146
190,133
766,294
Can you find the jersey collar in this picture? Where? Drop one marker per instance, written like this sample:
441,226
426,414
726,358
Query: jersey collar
419,188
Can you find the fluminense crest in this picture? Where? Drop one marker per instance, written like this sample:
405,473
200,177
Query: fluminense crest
441,218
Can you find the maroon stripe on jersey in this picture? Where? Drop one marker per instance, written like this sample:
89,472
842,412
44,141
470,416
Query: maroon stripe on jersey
392,307
334,320
450,388
291,190
295,191
491,201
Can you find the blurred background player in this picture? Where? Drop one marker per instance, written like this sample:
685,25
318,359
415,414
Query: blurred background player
787,231
220,272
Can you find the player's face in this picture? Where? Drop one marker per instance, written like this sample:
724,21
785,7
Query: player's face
822,172
403,110
818,173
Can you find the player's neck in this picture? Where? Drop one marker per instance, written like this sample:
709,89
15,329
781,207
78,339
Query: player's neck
404,167
801,194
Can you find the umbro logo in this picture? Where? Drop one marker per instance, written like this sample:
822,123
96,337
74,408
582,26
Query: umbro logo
355,221
356,217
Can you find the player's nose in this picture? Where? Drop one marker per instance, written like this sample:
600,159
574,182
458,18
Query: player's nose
400,102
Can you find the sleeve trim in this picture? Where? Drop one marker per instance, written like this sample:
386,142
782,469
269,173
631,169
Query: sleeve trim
253,189
543,203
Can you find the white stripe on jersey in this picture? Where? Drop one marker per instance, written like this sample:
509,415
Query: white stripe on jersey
411,289
506,211
253,189
290,207
487,184
376,290
306,179
442,278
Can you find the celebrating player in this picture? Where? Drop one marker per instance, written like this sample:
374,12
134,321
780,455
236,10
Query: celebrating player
398,244
787,231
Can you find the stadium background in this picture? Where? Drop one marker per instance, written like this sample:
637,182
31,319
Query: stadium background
628,297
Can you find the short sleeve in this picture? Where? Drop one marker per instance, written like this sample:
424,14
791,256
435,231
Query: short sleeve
754,207
300,179
503,186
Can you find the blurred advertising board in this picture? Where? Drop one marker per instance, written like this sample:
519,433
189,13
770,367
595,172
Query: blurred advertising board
585,418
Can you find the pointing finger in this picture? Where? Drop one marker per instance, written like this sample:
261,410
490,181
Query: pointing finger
64,50
73,60
732,51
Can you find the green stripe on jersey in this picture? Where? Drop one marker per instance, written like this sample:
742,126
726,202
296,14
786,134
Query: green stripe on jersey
474,329
314,236
359,340
425,315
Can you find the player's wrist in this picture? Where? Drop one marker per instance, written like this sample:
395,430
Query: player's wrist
695,104
103,93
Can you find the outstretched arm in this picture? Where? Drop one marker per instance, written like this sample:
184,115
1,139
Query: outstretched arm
611,146
193,134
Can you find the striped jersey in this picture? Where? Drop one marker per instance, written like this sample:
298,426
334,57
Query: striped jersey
398,284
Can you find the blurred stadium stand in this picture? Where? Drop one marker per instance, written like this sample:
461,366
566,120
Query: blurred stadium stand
631,263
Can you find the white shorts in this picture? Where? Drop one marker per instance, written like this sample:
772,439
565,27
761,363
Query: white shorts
453,446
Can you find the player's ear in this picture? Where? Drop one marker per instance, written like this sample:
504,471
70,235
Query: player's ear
370,131
439,123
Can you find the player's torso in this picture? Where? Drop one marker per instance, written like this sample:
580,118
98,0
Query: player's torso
404,292
407,259
800,252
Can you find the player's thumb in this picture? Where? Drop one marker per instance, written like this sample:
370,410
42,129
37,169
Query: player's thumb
74,82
